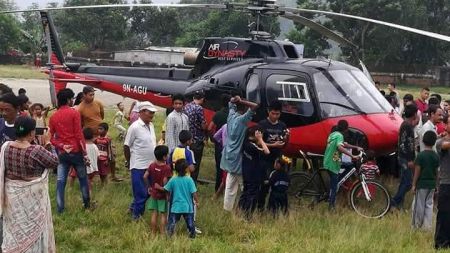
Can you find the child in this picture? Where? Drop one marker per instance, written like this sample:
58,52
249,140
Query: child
183,197
118,120
331,160
370,169
252,173
158,173
279,183
183,151
424,183
93,155
39,114
221,137
104,145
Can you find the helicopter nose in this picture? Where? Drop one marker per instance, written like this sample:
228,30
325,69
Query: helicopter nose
383,135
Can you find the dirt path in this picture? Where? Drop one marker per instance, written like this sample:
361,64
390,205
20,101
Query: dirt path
38,91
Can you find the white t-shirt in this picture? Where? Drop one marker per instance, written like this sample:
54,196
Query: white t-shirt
141,140
93,154
428,126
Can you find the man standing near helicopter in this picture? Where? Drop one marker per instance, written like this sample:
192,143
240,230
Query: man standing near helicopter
276,135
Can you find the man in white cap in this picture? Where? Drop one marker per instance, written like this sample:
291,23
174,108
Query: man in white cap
139,146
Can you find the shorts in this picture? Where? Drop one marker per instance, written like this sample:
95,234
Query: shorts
159,205
103,168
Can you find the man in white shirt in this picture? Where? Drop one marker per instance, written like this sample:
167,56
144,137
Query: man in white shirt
435,116
139,146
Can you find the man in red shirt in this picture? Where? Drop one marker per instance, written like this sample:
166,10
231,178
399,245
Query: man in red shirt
421,102
66,135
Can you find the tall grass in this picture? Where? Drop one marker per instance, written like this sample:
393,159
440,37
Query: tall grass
109,228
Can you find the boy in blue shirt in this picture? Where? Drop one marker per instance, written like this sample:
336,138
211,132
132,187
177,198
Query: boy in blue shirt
183,151
183,197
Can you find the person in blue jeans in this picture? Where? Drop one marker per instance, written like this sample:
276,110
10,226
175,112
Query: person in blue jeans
406,154
183,197
67,137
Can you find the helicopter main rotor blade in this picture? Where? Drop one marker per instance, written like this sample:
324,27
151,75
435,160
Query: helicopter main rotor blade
318,28
401,27
205,6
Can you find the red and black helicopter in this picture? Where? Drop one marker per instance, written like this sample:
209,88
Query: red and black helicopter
315,93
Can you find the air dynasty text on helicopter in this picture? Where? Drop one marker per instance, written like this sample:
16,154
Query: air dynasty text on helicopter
235,54
138,89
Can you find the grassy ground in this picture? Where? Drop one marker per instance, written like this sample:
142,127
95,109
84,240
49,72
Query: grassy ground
110,229
21,71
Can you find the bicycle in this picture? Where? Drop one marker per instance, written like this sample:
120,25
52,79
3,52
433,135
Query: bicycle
368,198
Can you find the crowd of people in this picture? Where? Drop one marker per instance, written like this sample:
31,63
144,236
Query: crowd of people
423,157
74,142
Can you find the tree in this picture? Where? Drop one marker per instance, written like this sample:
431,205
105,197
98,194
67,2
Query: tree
384,48
9,28
154,26
103,28
223,24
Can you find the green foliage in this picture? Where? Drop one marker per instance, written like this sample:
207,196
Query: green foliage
103,29
223,24
382,47
31,31
154,26
9,28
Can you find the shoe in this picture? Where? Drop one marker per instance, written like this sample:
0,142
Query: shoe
198,231
116,179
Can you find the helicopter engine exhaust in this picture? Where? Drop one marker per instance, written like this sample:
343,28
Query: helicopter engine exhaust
190,57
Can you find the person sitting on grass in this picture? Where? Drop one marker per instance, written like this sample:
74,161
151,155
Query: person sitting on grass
279,183
332,161
158,173
183,197
424,183
252,172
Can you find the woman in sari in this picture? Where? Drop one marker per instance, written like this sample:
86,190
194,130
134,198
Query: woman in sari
25,203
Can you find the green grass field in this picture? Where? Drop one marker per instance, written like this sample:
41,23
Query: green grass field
109,228
20,72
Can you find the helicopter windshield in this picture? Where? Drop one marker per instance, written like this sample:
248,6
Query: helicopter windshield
348,92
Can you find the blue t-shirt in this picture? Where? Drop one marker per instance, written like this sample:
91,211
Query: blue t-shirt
7,133
181,152
236,127
181,190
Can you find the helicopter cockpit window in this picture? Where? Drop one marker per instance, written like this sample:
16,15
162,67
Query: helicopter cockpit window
343,92
253,89
292,92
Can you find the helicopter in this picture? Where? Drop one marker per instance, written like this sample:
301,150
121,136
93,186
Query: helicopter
315,93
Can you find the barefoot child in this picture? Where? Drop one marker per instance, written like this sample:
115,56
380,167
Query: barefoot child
158,173
183,197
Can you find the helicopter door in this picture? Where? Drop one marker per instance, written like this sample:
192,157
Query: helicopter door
296,98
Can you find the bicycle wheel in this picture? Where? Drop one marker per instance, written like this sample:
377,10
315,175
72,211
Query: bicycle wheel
303,190
370,200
